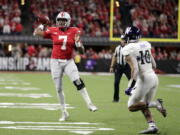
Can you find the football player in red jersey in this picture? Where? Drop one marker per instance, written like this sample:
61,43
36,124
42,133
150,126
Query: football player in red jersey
65,38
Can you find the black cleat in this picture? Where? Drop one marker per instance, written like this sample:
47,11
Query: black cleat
161,109
115,101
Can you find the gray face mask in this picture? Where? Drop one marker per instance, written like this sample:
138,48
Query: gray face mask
61,22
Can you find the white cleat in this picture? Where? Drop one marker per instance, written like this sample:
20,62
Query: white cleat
150,130
65,116
92,107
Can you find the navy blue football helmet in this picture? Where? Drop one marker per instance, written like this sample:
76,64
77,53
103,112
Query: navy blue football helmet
132,34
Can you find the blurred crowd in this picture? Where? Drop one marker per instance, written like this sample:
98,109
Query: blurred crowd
10,17
156,18
24,50
92,16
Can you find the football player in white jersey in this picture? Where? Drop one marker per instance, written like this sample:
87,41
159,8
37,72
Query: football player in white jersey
144,82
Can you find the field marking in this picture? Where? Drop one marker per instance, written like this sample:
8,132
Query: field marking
82,132
174,85
78,128
170,75
32,95
45,106
8,79
19,88
15,83
48,123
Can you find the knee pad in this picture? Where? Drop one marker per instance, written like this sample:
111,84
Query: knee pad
79,84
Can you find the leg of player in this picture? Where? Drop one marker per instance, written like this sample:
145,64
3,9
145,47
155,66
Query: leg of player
152,129
56,73
83,91
61,97
158,104
137,106
73,73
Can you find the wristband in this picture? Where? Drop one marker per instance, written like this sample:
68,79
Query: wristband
132,84
78,44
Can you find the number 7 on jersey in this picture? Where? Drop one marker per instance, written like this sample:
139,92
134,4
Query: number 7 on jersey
63,47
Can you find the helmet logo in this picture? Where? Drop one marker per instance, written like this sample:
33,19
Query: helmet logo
128,30
62,14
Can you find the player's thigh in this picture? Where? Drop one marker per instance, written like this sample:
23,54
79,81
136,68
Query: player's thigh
56,68
137,94
72,71
153,85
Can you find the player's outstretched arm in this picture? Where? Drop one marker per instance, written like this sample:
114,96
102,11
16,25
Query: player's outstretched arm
134,72
39,31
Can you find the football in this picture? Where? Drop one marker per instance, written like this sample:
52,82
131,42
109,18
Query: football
44,19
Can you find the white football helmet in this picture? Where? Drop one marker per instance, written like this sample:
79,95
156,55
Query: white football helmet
63,19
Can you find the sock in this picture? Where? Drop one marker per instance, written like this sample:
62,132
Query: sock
151,124
85,96
152,104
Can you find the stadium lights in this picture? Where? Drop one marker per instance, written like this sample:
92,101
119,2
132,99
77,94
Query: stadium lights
113,3
9,47
22,2
117,4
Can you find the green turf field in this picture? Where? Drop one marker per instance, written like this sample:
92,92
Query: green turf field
28,106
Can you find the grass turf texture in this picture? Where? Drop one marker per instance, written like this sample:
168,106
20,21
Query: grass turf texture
100,88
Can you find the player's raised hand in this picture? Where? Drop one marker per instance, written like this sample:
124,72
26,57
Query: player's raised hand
77,37
78,40
39,31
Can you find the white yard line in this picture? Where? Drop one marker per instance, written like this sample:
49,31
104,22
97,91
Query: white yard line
67,128
32,95
83,128
45,106
47,123
174,86
19,88
14,83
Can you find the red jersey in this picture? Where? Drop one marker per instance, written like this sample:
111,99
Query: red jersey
63,41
